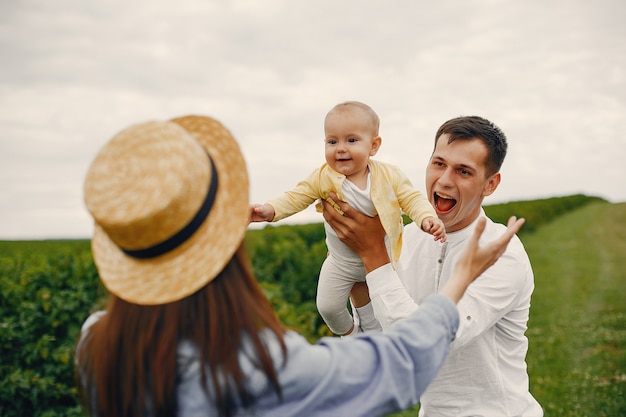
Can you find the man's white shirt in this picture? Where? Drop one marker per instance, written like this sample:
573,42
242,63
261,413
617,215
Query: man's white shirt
485,373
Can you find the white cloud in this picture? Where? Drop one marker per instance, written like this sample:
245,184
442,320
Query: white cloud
75,73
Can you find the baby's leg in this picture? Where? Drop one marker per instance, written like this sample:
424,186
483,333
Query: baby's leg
360,297
359,294
333,290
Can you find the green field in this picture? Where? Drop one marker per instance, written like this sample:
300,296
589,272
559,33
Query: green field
577,329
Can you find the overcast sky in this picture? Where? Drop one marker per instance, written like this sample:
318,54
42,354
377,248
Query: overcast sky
73,73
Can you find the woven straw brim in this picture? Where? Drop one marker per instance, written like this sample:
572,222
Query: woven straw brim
187,268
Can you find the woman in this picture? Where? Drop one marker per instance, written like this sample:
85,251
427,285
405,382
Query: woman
188,332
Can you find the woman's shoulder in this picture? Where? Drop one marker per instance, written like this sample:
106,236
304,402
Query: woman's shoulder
92,319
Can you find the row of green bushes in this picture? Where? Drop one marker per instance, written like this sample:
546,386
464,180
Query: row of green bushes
538,212
286,260
46,291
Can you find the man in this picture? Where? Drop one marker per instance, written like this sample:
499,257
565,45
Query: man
485,373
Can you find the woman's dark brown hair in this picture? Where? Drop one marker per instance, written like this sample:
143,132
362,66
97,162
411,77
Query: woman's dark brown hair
127,359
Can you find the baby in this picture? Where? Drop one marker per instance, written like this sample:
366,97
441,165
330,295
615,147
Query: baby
374,188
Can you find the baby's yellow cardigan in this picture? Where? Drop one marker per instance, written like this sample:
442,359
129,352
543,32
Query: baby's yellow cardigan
390,190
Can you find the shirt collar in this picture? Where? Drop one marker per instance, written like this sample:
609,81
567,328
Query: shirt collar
466,232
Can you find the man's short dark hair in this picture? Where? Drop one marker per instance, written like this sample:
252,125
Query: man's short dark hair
475,127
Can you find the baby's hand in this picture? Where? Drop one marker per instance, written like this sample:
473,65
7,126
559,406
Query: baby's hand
435,227
261,213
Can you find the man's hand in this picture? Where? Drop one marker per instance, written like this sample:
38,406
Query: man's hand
364,235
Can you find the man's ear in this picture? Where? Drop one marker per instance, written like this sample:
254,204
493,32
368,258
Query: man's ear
376,142
492,183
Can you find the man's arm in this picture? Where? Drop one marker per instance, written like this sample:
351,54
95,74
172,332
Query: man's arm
365,236
392,302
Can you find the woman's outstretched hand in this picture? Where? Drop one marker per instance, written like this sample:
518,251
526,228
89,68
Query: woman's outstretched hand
476,259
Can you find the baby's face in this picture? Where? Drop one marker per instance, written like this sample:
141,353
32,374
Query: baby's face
350,141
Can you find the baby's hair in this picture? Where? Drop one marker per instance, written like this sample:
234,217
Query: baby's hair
374,119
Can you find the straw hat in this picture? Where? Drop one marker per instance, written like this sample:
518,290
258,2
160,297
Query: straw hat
170,204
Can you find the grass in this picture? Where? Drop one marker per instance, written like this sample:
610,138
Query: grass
577,328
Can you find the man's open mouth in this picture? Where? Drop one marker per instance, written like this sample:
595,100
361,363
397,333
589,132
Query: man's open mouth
443,203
